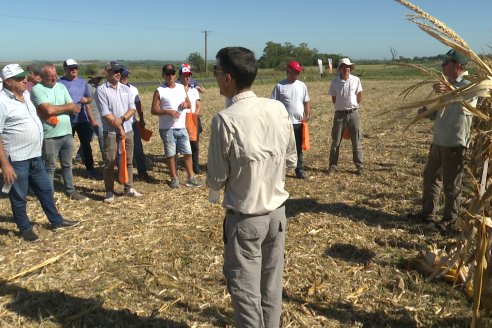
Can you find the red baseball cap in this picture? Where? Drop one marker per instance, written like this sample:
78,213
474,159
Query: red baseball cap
295,66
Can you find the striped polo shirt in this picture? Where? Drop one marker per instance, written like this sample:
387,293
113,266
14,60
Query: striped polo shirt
21,130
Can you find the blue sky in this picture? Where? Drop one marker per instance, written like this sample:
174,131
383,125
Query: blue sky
361,29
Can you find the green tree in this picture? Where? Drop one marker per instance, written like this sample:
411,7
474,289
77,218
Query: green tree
276,55
92,70
196,61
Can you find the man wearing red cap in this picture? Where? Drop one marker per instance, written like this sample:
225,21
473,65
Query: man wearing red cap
295,97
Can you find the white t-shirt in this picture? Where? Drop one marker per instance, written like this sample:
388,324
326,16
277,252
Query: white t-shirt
171,98
345,91
136,95
293,96
193,96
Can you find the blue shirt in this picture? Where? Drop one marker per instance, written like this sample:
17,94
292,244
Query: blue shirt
77,88
21,131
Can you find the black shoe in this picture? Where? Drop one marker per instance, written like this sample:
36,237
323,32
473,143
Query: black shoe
332,169
145,177
64,224
422,217
76,196
91,174
29,235
360,171
301,174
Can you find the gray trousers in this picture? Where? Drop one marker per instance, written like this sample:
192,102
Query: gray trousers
351,120
110,144
253,266
443,171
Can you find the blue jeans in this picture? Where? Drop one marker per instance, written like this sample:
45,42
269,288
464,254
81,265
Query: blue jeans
138,153
63,147
99,133
84,131
300,154
175,141
32,173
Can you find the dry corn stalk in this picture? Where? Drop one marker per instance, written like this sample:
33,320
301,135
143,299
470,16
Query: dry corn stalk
37,266
469,263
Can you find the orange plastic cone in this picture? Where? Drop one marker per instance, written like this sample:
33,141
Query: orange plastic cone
346,133
123,170
305,137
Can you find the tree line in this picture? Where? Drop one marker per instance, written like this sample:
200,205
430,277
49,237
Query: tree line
277,56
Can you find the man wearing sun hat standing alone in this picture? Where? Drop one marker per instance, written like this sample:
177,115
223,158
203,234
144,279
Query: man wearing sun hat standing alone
295,96
346,94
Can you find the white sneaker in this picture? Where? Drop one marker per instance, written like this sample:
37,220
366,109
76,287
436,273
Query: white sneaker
109,198
132,193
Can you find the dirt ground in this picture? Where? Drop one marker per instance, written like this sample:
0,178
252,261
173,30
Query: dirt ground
156,261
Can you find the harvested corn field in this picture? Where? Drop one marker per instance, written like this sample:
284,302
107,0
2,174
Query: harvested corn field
156,261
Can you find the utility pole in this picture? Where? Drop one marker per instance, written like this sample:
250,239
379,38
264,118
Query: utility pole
206,39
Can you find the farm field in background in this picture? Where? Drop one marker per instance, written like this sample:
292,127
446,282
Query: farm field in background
157,261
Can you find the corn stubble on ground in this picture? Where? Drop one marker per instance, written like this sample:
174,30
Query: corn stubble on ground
156,261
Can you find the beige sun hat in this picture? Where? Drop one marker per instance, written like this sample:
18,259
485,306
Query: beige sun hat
345,61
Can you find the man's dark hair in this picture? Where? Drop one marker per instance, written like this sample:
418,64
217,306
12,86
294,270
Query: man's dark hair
240,63
167,67
35,68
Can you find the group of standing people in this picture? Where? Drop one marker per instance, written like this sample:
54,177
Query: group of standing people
346,93
40,114
253,177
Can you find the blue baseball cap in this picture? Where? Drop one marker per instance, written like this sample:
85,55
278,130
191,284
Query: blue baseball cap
124,71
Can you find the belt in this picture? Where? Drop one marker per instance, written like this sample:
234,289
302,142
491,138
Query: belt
348,111
232,212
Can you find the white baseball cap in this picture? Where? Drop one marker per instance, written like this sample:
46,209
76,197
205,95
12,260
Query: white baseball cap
70,62
12,70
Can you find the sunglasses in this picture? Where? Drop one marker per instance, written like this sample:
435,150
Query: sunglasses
19,78
73,68
217,72
169,72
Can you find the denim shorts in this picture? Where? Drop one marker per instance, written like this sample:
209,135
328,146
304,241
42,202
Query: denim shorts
175,141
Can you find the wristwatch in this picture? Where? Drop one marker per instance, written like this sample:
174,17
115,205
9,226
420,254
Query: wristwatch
123,119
